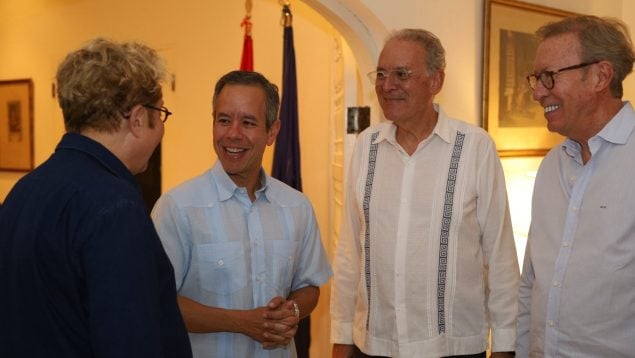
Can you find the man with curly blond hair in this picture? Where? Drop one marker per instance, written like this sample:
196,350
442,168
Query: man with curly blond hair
82,269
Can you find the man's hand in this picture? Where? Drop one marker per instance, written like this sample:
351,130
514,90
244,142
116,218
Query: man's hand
252,323
273,325
281,323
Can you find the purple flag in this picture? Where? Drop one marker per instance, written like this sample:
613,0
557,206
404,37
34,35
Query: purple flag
286,157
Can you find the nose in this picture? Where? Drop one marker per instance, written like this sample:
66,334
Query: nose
388,83
539,91
234,130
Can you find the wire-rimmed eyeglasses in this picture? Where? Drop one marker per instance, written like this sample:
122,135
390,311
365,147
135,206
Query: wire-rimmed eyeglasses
399,74
547,79
165,113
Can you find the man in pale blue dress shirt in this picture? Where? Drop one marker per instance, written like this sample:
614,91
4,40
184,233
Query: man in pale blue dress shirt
246,248
577,292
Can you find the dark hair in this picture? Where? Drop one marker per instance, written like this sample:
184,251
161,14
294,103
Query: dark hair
103,80
248,78
601,39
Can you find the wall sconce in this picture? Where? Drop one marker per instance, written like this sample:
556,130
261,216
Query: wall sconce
358,119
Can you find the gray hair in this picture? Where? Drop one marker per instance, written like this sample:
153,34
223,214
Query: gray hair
435,54
601,39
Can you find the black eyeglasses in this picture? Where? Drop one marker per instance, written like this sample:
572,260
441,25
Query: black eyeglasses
547,79
399,74
165,113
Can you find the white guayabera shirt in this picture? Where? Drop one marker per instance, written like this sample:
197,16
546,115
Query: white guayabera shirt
426,264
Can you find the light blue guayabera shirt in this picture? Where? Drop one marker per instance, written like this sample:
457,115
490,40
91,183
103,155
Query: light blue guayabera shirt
577,291
232,253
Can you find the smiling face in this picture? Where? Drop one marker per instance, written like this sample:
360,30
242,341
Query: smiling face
406,101
240,132
569,105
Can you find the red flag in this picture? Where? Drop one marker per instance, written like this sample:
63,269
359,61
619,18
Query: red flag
247,60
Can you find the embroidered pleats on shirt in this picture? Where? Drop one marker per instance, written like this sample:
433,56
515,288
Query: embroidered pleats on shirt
445,228
445,225
372,158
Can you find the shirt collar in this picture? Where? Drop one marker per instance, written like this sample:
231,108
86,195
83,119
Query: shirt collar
441,129
616,131
227,188
619,128
94,149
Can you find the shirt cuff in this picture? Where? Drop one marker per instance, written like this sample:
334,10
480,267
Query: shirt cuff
503,340
341,332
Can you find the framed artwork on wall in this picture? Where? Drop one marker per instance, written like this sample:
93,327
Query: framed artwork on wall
511,116
16,125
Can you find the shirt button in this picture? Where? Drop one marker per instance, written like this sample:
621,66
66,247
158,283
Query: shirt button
221,262
565,244
556,284
551,323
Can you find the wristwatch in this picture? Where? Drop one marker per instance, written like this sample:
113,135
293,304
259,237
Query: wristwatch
296,308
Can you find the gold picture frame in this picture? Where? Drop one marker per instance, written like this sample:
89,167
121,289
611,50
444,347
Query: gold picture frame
510,115
16,125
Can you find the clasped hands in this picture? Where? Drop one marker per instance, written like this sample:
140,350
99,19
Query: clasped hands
275,324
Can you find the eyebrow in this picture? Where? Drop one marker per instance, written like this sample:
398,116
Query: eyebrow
393,68
245,116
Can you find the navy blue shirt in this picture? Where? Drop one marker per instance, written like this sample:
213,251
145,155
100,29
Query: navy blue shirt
82,270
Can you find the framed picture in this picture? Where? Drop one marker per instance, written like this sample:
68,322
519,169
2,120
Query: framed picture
16,125
511,116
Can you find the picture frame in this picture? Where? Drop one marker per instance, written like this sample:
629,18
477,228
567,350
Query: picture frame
514,120
16,125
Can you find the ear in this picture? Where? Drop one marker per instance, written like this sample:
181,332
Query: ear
138,114
272,133
604,75
436,82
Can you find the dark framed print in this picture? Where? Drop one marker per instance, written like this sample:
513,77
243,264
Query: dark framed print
511,116
16,125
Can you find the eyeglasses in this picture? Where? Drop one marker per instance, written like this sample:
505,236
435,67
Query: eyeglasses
547,77
165,113
398,74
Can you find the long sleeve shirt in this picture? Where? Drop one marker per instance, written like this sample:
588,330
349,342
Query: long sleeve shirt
82,270
577,296
426,262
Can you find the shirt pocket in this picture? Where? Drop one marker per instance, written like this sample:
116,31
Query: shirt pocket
222,267
283,259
